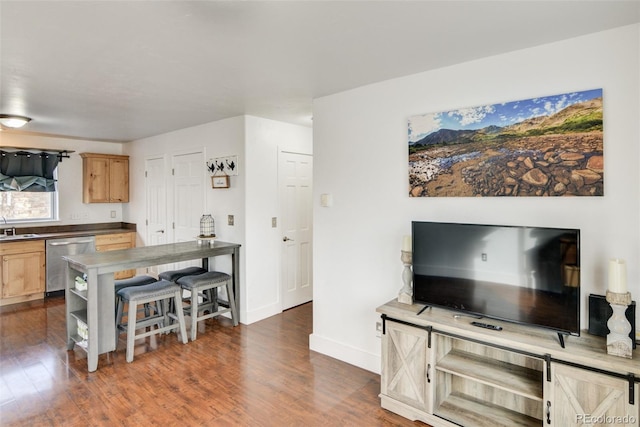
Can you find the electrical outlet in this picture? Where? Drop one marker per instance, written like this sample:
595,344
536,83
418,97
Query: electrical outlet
378,329
484,257
113,214
230,219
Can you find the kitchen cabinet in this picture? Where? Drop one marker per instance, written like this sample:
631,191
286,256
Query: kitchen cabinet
22,269
105,178
116,241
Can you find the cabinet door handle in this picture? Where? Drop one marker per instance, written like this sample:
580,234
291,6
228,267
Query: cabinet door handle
548,412
429,372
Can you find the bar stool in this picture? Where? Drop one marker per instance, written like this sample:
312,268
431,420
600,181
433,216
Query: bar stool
201,285
160,291
133,281
174,275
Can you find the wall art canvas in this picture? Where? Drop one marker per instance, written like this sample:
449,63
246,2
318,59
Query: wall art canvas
548,146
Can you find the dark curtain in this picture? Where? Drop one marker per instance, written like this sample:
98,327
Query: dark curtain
26,171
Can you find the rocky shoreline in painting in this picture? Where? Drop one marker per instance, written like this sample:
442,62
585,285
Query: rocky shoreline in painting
561,165
489,163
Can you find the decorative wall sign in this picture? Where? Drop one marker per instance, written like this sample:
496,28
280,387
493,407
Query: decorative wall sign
223,165
549,146
220,181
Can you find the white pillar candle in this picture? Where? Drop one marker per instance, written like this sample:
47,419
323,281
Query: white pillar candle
406,243
618,276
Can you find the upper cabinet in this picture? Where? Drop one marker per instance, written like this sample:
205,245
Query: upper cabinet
105,178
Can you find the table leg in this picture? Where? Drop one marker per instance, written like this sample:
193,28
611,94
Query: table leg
92,320
235,259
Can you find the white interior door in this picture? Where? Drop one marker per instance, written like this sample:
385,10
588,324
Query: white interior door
296,223
188,197
156,196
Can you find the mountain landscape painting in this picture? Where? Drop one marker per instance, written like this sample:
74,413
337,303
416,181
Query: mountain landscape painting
548,146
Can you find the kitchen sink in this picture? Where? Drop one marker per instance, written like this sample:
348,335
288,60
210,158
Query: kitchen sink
18,236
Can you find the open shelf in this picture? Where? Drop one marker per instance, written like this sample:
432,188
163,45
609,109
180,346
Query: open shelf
468,411
81,294
80,315
515,379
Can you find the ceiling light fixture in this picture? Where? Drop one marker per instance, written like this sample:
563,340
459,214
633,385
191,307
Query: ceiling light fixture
12,121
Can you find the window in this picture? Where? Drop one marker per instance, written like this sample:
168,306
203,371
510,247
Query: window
28,185
20,206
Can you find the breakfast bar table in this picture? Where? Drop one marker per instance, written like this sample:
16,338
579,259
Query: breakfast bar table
91,312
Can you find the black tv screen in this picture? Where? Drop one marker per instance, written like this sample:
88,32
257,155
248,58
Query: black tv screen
527,275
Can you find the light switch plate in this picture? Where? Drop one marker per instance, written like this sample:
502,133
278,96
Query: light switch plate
274,222
326,200
230,219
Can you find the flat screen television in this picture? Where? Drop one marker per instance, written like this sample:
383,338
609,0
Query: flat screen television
527,275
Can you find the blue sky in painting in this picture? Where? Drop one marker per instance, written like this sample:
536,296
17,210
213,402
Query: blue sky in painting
504,114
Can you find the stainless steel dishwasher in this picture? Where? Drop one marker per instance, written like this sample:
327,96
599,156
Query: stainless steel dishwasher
55,250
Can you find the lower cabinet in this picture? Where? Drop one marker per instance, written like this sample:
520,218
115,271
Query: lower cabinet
406,365
445,376
22,270
578,399
116,241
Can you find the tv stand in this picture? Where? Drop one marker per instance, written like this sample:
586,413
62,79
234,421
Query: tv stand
446,372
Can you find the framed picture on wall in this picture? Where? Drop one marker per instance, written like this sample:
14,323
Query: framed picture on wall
546,146
220,181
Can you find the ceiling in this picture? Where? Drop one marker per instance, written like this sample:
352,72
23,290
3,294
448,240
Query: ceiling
124,70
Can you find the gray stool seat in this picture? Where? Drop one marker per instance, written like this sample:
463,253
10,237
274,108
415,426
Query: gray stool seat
174,275
190,282
134,281
206,285
161,292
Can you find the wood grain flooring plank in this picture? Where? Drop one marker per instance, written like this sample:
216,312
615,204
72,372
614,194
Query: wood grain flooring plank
255,375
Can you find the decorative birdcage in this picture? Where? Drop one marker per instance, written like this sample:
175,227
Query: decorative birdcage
207,226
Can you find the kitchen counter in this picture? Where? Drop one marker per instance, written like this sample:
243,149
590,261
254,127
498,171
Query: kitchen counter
65,231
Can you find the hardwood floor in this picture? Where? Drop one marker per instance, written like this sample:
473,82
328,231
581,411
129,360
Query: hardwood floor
262,374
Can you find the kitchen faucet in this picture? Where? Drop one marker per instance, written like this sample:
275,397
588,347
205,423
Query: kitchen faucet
6,230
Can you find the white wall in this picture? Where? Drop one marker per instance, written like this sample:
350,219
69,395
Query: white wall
71,209
360,156
251,198
216,139
265,139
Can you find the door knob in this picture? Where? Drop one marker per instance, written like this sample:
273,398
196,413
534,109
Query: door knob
286,239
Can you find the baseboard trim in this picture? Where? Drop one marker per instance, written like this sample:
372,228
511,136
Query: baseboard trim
351,355
262,313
